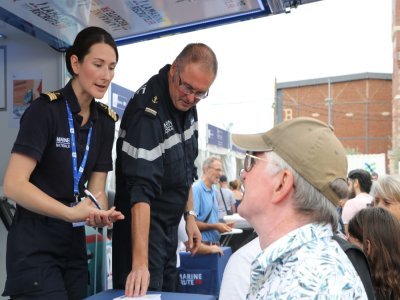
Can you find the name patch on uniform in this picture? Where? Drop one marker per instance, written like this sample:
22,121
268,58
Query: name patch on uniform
63,142
168,126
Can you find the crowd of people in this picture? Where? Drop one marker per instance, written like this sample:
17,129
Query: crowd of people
321,232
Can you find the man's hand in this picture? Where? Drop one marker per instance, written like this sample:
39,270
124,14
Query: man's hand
194,235
137,282
223,227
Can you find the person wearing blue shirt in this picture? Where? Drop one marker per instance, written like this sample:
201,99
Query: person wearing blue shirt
205,202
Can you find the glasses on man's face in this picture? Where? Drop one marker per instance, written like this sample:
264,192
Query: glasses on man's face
250,161
188,90
216,169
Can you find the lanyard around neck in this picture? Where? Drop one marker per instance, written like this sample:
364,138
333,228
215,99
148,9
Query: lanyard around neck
75,171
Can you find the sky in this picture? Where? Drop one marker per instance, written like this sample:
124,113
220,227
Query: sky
321,39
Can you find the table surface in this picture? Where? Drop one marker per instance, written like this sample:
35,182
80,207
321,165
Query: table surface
234,231
239,221
111,294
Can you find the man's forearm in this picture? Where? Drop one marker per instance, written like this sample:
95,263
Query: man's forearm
206,226
189,202
140,222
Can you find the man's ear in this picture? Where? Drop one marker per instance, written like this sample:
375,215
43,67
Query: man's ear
172,69
283,185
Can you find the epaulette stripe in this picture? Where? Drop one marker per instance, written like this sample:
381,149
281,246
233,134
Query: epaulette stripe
52,95
111,113
151,111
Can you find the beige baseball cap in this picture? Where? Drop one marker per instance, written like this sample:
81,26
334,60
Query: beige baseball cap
308,145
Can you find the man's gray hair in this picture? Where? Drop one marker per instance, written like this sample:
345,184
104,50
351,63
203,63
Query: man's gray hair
306,199
209,162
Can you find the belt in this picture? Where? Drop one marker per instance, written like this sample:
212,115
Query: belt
211,243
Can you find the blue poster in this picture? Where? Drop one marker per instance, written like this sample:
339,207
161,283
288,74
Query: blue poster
120,97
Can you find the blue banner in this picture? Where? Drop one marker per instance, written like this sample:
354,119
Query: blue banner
218,137
120,97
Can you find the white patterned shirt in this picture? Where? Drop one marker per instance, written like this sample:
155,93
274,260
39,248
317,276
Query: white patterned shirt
305,264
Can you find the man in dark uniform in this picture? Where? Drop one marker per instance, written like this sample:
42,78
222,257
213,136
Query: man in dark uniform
156,149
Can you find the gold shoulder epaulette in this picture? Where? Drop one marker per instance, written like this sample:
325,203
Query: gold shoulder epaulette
112,114
52,95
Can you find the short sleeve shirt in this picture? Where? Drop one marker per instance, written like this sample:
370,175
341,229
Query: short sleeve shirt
305,264
205,203
44,136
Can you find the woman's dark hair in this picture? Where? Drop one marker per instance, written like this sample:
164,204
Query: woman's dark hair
379,232
86,39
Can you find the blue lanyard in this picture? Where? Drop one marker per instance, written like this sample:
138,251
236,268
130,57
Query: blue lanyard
77,172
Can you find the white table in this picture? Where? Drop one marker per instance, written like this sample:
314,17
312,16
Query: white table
240,222
228,235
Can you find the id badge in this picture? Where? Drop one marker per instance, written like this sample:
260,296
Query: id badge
77,224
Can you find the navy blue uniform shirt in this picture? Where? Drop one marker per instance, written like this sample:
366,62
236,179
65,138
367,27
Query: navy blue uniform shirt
44,136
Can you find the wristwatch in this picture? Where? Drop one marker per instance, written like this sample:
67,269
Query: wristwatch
190,213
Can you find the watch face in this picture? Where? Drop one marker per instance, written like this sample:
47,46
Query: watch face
190,212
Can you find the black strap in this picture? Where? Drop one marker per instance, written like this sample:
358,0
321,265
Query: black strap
7,211
223,200
208,216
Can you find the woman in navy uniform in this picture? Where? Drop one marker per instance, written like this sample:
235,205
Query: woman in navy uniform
63,146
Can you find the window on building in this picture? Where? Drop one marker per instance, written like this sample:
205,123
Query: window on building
288,114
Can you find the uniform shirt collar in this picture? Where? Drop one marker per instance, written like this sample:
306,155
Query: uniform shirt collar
73,103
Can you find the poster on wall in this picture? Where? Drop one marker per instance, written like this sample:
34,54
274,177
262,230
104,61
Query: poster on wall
25,87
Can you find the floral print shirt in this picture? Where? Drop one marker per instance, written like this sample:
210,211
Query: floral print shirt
305,264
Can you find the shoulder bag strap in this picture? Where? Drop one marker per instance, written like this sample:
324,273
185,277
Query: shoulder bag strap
223,200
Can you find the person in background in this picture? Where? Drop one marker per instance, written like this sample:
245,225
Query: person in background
225,198
64,142
377,232
156,150
360,183
205,202
387,194
235,186
289,201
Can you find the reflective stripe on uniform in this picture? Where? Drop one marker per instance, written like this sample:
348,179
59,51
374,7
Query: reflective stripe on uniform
156,152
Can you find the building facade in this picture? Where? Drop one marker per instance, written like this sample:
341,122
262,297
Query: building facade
358,106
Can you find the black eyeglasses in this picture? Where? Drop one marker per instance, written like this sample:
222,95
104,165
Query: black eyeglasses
250,160
188,90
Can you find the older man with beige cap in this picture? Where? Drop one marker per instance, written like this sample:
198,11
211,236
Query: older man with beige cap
291,175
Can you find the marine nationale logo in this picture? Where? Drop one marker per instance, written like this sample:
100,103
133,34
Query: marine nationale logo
62,142
168,126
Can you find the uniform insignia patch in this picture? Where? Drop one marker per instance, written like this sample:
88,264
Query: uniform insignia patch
52,95
150,111
112,114
155,99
